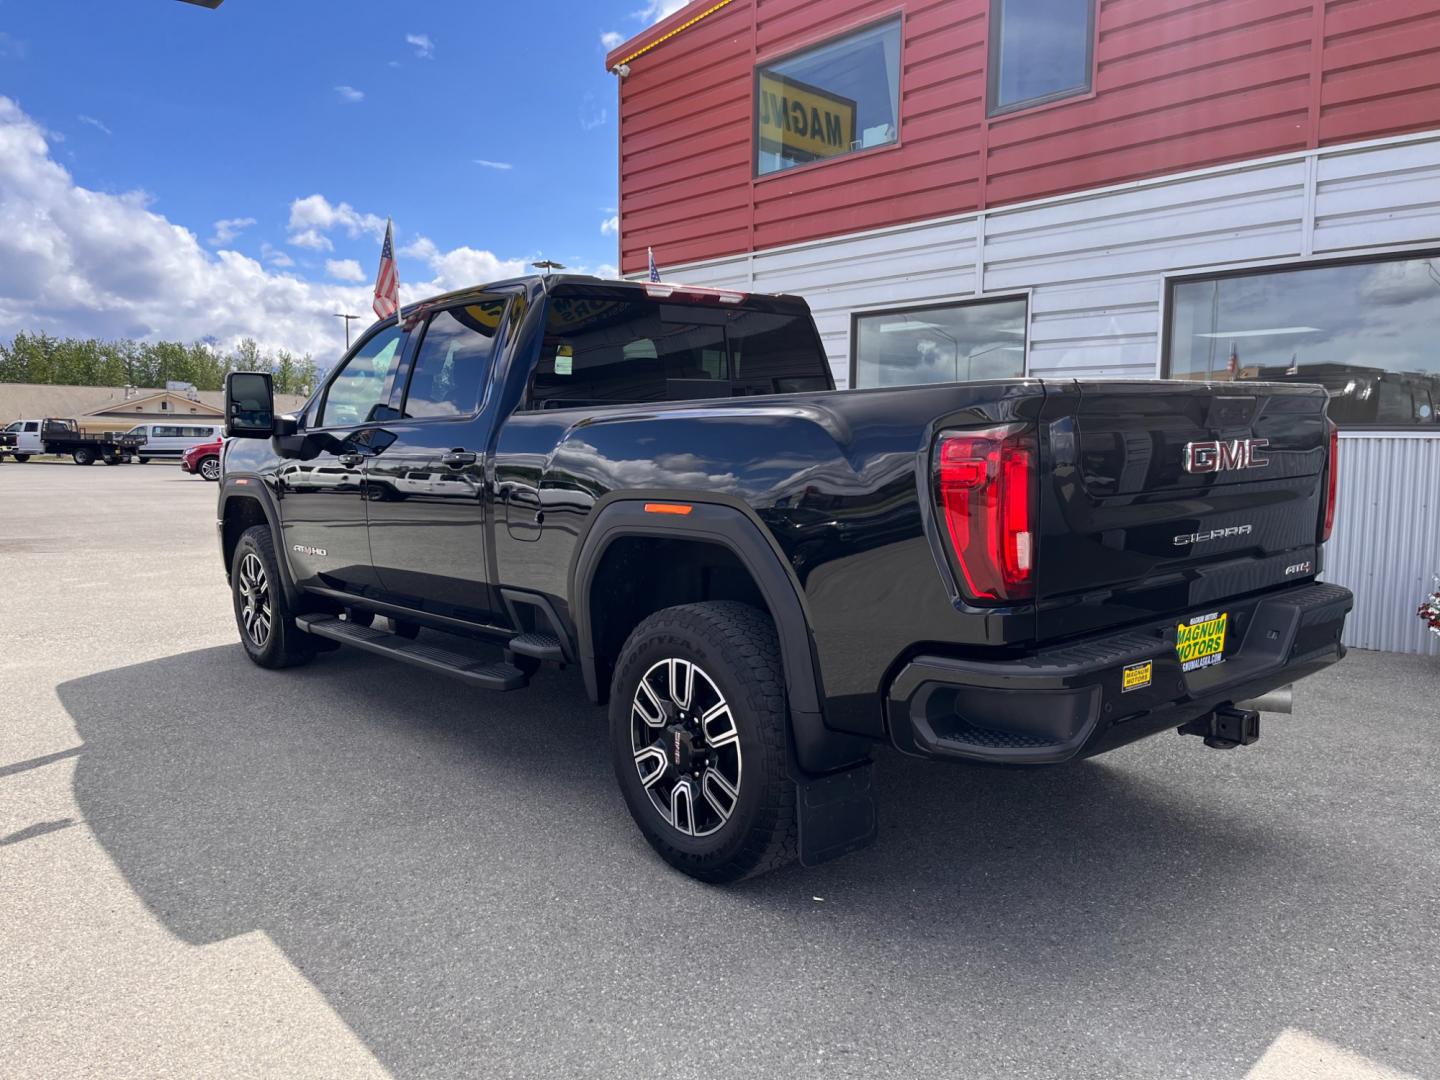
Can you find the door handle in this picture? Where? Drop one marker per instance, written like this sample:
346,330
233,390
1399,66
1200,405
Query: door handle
457,458
351,460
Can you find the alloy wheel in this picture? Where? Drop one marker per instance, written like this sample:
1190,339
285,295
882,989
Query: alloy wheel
255,612
210,469
686,747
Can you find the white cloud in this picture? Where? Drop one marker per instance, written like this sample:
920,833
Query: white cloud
592,113
344,269
314,216
310,238
606,270
610,39
226,229
94,123
275,256
610,226
12,48
493,164
457,268
74,261
348,95
424,47
89,263
655,10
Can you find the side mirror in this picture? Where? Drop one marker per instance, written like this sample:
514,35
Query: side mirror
249,405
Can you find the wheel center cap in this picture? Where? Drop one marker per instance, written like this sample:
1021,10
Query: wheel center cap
681,751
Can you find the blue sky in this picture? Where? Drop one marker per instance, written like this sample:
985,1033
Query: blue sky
279,134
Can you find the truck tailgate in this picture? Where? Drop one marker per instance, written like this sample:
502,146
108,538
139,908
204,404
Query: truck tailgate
1171,496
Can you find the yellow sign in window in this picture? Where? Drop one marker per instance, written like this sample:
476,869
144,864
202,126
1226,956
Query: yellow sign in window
803,122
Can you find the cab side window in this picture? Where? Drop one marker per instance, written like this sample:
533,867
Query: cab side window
452,365
363,385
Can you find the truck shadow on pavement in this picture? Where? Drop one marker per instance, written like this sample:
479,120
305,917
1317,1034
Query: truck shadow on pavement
457,874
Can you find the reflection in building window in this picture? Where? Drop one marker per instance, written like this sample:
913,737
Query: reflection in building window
1040,50
829,101
1369,332
982,339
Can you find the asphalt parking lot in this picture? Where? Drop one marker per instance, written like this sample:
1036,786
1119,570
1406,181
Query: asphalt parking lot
357,869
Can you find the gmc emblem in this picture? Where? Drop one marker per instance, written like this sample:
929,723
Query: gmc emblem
1221,455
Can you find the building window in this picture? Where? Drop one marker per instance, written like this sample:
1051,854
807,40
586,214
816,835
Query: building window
1369,332
980,339
829,101
1040,50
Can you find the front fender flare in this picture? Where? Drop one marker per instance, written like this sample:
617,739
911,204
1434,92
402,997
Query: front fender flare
253,488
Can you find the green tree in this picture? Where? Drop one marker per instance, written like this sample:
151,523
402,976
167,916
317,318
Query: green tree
248,357
285,372
308,377
39,358
207,367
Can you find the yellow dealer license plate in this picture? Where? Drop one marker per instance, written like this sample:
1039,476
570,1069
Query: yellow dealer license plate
1200,642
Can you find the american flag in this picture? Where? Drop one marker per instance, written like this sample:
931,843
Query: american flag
654,270
387,281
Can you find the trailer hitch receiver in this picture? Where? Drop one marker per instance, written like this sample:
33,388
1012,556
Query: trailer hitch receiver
1225,728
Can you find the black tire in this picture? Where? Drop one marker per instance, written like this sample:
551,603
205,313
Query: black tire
285,644
734,646
111,459
143,460
126,458
83,456
22,458
408,630
209,468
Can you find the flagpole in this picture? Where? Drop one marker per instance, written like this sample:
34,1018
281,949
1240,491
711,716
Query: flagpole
395,262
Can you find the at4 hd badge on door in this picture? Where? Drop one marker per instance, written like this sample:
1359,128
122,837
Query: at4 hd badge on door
1200,642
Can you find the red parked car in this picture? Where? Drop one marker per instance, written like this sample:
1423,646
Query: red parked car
203,459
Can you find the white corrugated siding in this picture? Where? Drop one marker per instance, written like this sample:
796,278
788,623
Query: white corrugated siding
1095,266
1386,544
1095,263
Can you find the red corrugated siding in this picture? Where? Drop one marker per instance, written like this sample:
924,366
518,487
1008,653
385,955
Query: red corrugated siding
1178,86
1381,68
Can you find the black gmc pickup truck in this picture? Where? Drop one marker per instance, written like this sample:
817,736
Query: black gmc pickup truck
764,576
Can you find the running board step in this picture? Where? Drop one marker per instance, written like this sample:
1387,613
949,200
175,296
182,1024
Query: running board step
538,646
486,674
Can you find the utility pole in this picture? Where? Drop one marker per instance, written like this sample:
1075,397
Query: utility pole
347,319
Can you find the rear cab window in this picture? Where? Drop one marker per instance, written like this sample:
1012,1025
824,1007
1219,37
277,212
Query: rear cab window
612,346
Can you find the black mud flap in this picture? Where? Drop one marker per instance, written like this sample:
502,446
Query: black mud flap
836,813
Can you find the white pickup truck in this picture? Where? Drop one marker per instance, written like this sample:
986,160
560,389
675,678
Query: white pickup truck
25,438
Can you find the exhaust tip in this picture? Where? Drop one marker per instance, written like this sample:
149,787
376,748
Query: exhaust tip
1279,700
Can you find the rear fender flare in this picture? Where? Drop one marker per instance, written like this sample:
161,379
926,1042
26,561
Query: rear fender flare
817,748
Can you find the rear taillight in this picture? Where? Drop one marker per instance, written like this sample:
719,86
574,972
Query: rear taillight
986,486
1332,469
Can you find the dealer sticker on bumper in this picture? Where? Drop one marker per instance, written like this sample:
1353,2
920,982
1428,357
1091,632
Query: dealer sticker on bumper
1201,642
1136,676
